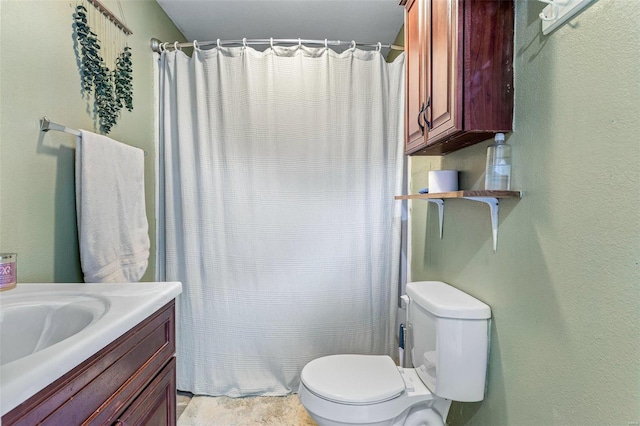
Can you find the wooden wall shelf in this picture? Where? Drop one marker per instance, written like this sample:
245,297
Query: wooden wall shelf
484,196
462,194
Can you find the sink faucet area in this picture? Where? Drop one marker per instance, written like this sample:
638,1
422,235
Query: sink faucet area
48,329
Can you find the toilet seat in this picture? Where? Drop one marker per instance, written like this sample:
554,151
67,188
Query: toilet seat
353,379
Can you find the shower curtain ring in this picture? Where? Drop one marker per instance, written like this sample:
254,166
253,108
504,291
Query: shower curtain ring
379,47
196,46
164,45
244,42
353,45
175,46
299,42
326,43
218,43
271,42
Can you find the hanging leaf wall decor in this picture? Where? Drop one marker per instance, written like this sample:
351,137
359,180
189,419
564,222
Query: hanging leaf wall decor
122,76
112,90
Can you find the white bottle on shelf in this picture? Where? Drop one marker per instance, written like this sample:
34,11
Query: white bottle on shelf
498,171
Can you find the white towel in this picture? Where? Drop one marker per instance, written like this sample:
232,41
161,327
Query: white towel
112,221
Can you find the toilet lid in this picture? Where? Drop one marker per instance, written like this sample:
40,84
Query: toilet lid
353,379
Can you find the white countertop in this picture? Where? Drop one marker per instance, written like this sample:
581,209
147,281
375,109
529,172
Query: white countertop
128,305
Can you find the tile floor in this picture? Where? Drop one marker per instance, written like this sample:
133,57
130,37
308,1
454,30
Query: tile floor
182,402
249,411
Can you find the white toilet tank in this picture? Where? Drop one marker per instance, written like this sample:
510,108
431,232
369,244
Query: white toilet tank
448,333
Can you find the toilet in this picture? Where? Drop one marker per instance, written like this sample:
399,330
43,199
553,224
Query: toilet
448,339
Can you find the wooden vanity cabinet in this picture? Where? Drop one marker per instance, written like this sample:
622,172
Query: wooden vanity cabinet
132,381
459,73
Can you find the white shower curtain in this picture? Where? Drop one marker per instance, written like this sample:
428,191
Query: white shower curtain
280,169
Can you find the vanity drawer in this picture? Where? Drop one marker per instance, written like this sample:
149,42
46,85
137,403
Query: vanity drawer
102,387
156,406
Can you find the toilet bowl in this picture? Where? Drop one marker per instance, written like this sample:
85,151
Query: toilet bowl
367,390
448,343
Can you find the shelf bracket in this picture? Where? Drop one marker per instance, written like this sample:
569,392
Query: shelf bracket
440,203
557,12
493,207
489,197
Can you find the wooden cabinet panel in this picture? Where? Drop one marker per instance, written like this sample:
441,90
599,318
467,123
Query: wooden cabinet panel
465,59
102,387
157,405
413,45
488,78
444,89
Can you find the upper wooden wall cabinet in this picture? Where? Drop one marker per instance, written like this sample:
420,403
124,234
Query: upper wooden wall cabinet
459,65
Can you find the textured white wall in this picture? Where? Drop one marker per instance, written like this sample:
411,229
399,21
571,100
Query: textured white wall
564,284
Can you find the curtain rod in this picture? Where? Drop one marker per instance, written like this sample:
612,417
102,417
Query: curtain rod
158,46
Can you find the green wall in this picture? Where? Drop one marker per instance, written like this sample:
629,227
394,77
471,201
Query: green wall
564,285
399,41
39,76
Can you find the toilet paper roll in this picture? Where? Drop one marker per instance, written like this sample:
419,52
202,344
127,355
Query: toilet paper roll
443,181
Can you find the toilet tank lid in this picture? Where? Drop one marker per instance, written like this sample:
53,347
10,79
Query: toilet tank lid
443,300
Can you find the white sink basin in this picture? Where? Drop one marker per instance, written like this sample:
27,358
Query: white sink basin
48,329
31,324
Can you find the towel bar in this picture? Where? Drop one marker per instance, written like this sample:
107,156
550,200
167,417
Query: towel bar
46,125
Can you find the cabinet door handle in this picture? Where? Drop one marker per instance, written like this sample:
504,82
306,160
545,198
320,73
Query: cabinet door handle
424,114
421,114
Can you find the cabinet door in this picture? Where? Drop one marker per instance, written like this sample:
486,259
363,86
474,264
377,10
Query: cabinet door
414,66
156,405
444,94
